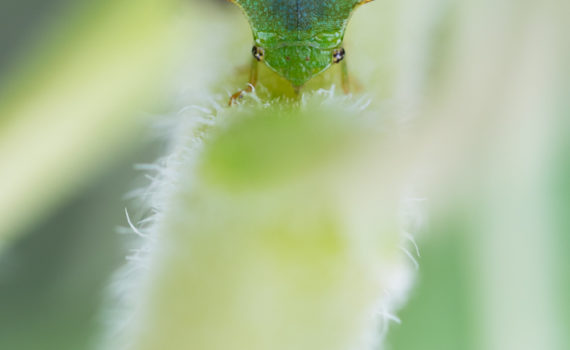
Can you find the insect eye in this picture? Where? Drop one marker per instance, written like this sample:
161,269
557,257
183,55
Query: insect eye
338,55
258,53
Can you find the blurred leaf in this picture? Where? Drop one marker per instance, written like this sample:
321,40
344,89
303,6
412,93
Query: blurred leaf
78,102
439,314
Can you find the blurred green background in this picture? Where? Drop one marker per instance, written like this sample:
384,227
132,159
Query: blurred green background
54,272
53,278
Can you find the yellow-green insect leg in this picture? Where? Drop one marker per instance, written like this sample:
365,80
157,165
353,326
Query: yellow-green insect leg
253,72
345,78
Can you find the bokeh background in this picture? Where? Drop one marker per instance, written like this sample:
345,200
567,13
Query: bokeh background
63,206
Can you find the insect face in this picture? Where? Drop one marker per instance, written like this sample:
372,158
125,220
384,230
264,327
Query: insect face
298,39
298,63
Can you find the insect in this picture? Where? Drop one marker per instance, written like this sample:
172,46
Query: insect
298,39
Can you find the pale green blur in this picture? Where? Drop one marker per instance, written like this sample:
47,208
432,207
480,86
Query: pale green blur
279,237
74,101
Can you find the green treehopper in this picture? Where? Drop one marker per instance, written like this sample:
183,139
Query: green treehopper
298,39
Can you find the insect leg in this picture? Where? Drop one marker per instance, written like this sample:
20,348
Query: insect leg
345,79
361,2
251,84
